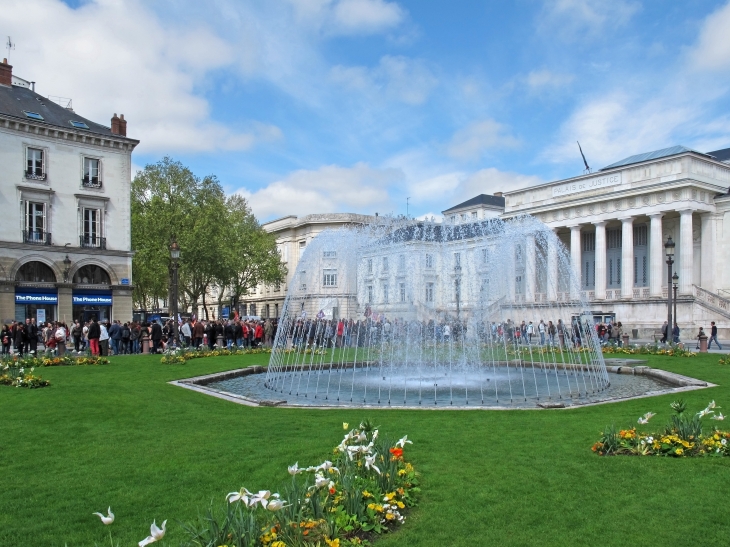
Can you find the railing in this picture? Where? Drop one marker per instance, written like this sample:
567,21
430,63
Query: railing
712,298
36,237
645,292
94,182
92,242
33,176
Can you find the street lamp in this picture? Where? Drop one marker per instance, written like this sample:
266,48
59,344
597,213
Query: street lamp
669,249
67,268
675,279
175,256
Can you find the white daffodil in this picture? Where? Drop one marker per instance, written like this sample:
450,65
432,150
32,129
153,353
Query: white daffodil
403,442
242,495
712,405
362,437
375,434
705,412
719,417
326,466
645,418
294,469
370,463
156,534
275,505
261,497
320,481
108,519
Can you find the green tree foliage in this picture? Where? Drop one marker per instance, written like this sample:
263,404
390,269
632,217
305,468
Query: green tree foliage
220,240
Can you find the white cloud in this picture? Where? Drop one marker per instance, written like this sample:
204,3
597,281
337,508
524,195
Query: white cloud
329,189
569,17
712,51
350,17
395,77
127,60
538,79
473,140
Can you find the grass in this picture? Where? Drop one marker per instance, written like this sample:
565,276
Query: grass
120,436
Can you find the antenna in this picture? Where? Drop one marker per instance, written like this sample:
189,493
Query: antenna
9,46
587,169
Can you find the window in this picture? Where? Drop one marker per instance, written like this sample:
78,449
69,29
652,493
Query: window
36,272
329,278
618,271
35,223
589,241
386,293
370,294
457,260
402,292
385,264
35,167
463,217
91,236
640,236
91,275
370,265
473,215
614,238
401,263
79,125
302,280
429,292
33,115
484,256
329,254
252,309
429,261
518,284
92,173
277,288
518,253
610,272
453,219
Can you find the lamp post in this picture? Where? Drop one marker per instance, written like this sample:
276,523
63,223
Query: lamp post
175,256
675,279
669,249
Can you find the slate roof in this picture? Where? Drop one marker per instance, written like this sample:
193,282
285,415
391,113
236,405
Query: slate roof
656,154
481,199
15,99
721,155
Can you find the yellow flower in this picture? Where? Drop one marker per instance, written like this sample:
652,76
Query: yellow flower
278,544
390,516
679,452
332,542
345,425
401,505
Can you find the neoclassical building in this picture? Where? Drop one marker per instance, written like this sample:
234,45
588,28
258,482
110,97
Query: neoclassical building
65,239
616,222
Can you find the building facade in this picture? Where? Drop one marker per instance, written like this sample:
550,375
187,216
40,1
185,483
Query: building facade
615,222
65,238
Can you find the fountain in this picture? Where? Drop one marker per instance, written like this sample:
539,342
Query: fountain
414,314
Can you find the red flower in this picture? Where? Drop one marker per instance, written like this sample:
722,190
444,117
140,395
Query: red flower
332,490
397,452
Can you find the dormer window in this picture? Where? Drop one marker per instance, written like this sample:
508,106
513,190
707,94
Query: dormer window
33,115
79,125
35,164
92,173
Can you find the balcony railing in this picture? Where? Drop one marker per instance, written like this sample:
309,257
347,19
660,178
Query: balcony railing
34,175
91,182
93,242
36,237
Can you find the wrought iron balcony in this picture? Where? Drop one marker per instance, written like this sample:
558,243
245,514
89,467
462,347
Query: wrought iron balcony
93,242
34,175
91,182
36,237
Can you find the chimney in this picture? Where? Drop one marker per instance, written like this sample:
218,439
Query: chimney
6,73
498,194
115,125
122,125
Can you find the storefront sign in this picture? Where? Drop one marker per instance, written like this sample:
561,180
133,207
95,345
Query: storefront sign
125,281
587,184
89,299
36,298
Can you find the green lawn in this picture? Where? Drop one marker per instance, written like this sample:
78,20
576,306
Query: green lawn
119,435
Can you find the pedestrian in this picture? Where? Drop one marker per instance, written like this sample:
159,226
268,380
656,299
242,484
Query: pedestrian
198,333
94,333
5,336
126,337
155,336
713,336
665,333
541,331
675,334
700,335
187,332
76,332
530,332
104,339
61,335
115,336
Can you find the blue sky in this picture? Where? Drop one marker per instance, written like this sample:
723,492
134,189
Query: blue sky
354,105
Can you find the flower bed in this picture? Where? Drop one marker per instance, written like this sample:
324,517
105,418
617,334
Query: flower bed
364,492
18,377
673,350
182,355
50,361
724,361
684,436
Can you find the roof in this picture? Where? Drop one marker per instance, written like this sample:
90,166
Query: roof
15,99
656,154
481,199
721,155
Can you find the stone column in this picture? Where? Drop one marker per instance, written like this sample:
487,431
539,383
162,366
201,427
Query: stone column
530,273
511,272
627,257
686,251
656,255
575,260
600,290
65,304
708,251
552,280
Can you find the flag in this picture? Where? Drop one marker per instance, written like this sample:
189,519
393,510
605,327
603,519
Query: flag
583,156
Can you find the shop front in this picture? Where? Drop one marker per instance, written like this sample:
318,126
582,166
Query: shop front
92,303
36,303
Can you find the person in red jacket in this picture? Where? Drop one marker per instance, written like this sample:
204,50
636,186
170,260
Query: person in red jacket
258,334
340,332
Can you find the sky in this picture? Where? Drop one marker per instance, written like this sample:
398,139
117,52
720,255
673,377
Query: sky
395,107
